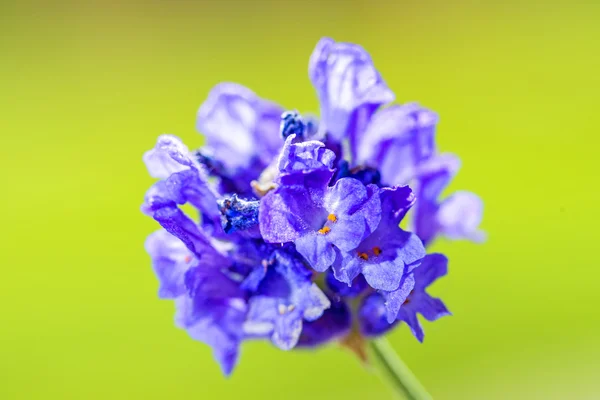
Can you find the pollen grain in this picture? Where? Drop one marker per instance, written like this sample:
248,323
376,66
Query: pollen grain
281,309
324,230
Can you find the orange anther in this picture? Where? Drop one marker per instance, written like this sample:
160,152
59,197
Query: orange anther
324,230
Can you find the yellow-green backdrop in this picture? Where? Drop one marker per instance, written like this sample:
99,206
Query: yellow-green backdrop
85,88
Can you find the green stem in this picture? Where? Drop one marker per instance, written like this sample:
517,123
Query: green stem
397,373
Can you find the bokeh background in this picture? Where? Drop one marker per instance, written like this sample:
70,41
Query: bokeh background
86,87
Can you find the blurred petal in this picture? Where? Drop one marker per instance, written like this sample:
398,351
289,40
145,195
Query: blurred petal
170,260
397,140
239,126
346,80
169,155
395,299
460,215
333,324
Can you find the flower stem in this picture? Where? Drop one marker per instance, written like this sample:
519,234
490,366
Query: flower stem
397,373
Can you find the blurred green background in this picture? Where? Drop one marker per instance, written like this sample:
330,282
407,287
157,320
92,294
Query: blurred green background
86,87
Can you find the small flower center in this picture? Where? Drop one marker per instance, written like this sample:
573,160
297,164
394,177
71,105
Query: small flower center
187,258
364,256
332,218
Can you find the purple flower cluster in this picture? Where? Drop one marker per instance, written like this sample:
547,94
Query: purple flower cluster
297,236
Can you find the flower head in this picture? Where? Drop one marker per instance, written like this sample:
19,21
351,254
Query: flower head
297,236
388,253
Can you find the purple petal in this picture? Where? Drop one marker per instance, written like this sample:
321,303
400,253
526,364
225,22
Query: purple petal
255,278
395,203
273,317
283,217
385,275
311,300
262,312
225,347
346,197
436,174
418,301
397,140
305,295
346,268
304,156
395,299
190,187
459,217
357,211
314,182
412,251
169,156
170,260
346,81
157,197
239,126
209,284
412,321
384,258
179,225
333,324
287,330
317,250
285,297
432,308
347,232
432,267
358,285
295,208
219,326
372,316
432,179
370,210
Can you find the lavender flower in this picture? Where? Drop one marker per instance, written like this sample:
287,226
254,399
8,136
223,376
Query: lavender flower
381,311
388,253
321,220
297,238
